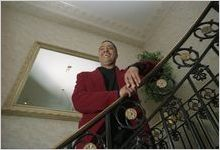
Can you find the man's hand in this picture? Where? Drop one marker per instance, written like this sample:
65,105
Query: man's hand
125,91
132,78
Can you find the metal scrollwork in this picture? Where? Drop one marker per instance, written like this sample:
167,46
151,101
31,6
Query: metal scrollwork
162,86
215,102
163,144
171,122
169,111
194,104
89,141
90,145
174,102
185,57
157,134
130,114
175,135
206,30
216,44
199,73
202,113
208,93
161,83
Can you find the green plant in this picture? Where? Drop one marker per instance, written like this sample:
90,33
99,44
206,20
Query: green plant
152,90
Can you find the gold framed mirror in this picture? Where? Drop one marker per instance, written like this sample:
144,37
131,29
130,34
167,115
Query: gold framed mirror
46,81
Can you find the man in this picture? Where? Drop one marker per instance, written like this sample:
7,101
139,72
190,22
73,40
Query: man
96,90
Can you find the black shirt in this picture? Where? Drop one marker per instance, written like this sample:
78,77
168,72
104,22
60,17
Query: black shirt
109,78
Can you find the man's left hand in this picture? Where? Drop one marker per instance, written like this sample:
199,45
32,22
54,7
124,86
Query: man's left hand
132,77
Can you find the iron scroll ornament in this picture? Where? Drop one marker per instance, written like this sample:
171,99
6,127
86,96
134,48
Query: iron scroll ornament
199,72
206,30
136,112
162,86
96,141
185,57
210,95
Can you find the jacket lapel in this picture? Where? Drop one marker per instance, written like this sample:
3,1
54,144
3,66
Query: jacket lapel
98,79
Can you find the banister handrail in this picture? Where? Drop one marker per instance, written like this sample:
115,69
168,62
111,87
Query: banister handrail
143,81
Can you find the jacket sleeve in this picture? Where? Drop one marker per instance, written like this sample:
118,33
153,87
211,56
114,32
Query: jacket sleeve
86,101
144,66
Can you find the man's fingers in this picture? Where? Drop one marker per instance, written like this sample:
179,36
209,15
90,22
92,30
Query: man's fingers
136,78
132,78
126,79
130,91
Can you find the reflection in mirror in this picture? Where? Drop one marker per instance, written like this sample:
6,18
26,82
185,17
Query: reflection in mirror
48,84
52,79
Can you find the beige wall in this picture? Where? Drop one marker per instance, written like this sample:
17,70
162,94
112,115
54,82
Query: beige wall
175,25
19,31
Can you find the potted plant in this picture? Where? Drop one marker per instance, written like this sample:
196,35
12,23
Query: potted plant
160,85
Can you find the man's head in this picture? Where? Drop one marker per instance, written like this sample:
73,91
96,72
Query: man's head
108,54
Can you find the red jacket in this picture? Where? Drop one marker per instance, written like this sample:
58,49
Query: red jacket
90,96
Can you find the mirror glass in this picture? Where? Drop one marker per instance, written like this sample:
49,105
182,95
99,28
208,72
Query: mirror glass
52,79
46,82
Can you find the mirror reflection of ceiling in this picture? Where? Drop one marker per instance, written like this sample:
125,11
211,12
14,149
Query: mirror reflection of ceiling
130,21
52,79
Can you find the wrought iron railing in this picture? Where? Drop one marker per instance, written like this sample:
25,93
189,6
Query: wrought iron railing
188,116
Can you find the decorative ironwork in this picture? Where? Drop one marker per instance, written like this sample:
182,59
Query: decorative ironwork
199,73
90,146
171,122
185,57
194,104
206,30
208,94
215,102
216,44
157,134
89,141
133,114
161,83
175,135
162,86
202,113
162,145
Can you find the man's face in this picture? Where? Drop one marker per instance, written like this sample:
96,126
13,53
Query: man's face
107,54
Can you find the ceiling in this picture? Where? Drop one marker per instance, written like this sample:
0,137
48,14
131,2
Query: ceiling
129,21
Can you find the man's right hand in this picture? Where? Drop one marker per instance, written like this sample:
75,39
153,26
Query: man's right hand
127,91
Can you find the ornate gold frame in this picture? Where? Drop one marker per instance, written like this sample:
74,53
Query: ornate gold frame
10,107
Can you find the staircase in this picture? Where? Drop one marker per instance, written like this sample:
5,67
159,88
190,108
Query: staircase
188,117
